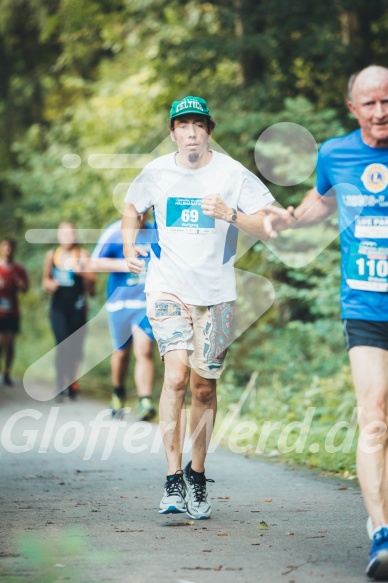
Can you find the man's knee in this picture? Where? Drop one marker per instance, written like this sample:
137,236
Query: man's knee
203,390
142,353
176,379
120,357
373,419
375,409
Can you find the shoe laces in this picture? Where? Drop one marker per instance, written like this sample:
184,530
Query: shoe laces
199,487
176,485
381,536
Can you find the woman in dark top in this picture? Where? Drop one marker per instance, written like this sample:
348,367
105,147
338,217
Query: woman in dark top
69,287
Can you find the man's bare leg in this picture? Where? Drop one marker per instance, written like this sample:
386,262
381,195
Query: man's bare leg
172,413
119,366
144,364
370,375
202,417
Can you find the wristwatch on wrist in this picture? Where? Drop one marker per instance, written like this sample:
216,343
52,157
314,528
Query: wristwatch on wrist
233,218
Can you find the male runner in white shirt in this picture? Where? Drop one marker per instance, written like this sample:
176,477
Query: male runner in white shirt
200,198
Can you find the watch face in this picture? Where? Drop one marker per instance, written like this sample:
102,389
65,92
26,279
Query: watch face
234,217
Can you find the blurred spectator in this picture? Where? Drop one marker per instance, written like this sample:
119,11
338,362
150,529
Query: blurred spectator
13,279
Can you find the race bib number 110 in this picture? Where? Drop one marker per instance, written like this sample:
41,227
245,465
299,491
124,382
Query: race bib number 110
186,215
368,267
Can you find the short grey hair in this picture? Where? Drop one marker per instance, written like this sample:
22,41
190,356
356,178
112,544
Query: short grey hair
351,82
370,70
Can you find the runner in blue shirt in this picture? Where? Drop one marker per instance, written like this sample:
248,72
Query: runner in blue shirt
358,163
129,325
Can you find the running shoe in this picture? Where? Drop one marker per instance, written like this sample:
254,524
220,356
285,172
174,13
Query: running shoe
173,501
198,505
378,557
117,404
146,410
7,380
73,391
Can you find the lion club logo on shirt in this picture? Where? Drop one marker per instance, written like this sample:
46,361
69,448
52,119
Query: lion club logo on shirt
375,177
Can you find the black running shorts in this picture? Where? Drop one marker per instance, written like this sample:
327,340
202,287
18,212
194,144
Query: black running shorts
365,333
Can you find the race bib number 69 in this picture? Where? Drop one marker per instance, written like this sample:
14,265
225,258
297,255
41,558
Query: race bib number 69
186,215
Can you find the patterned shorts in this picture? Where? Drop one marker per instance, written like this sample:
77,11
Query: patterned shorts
203,331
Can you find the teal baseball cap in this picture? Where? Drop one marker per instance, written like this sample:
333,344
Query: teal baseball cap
189,104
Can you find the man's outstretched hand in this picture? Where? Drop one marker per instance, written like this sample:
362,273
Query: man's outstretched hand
278,219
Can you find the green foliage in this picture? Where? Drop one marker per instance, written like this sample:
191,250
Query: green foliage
58,556
294,412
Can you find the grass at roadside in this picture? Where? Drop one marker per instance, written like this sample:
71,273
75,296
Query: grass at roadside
316,427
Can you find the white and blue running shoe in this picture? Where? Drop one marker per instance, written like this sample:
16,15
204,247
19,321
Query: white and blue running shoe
173,501
378,557
198,505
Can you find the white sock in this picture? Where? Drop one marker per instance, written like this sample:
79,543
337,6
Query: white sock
379,528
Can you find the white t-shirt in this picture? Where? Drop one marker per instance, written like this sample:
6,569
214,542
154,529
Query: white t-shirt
195,253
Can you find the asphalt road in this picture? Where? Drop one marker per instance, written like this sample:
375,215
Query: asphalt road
67,518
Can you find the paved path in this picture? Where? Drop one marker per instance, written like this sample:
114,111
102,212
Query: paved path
66,518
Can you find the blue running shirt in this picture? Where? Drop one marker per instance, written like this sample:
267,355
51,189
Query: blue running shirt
124,290
364,204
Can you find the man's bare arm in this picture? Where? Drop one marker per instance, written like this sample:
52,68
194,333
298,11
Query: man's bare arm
313,209
108,265
253,225
130,228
